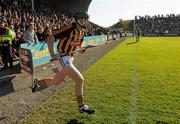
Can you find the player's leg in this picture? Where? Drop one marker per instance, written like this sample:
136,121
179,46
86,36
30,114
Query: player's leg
73,73
56,80
138,38
4,57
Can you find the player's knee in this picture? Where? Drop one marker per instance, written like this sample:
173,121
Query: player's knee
81,80
55,81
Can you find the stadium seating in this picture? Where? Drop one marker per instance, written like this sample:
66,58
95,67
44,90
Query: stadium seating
159,25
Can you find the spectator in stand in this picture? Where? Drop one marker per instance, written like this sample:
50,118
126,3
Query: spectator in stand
17,41
30,35
41,34
6,36
1,63
17,15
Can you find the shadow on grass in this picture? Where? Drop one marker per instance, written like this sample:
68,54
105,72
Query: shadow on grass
131,43
74,121
161,122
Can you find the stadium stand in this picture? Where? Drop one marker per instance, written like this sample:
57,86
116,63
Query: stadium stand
18,16
159,25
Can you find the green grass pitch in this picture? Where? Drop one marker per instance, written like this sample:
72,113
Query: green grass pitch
134,83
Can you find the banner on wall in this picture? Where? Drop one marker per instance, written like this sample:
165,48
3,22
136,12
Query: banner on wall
94,40
40,52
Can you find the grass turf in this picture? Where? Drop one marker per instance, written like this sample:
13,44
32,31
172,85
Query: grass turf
134,83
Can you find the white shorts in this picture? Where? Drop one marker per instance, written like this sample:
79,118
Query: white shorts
64,62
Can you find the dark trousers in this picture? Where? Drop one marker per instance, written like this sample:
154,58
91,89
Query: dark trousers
6,52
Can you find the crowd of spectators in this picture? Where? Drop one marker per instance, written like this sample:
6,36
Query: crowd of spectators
16,4
29,26
32,26
95,31
159,24
20,18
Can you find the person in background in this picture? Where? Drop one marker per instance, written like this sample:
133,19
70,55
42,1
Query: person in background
138,34
1,63
30,35
6,37
41,34
70,38
17,41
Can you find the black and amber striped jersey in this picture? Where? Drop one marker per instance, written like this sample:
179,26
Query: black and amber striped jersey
70,37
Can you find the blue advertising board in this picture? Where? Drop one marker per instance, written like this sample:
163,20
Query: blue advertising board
40,52
94,40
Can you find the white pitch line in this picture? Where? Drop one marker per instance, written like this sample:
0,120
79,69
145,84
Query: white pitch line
133,108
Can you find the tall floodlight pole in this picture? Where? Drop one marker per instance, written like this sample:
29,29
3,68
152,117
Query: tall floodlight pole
32,5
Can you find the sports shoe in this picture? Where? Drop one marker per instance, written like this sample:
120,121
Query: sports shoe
86,109
35,85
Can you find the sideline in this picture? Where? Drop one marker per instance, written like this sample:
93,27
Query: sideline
134,87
